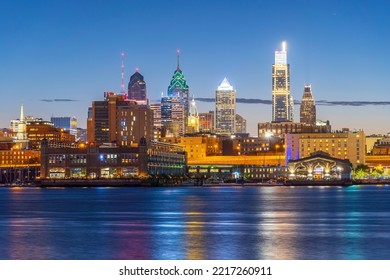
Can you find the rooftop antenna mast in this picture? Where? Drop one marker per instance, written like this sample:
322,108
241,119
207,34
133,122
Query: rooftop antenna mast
178,59
123,74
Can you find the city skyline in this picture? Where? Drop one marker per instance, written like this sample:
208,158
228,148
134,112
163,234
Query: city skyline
58,51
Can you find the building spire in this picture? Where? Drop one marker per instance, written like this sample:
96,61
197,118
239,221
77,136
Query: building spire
123,73
178,59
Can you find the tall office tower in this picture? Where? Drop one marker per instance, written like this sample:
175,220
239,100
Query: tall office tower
173,115
156,107
121,121
193,118
137,87
206,122
225,109
178,88
240,124
282,101
308,107
67,123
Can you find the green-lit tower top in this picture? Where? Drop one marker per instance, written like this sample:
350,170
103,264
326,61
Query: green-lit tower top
178,87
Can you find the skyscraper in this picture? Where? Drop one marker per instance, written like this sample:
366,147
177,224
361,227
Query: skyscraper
282,101
121,121
225,109
172,115
178,88
308,107
137,87
175,106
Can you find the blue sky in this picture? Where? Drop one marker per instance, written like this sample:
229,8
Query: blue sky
71,50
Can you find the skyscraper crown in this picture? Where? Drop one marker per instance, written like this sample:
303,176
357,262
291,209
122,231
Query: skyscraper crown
225,85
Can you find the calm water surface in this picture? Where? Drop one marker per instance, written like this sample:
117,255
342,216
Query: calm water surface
196,223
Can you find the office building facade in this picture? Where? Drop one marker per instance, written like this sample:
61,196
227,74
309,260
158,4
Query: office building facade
225,109
282,101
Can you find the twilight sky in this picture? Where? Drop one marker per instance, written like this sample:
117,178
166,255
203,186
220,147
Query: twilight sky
70,50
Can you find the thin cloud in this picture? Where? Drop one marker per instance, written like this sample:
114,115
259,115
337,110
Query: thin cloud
319,102
59,100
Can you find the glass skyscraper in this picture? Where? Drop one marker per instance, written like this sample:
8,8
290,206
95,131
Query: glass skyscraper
282,101
175,106
137,87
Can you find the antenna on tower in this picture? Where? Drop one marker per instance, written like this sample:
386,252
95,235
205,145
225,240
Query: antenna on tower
123,74
178,59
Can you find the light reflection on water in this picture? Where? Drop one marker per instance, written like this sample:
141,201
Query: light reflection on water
195,223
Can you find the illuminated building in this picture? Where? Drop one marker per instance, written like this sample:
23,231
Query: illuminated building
195,147
67,123
344,145
225,109
137,87
110,161
240,124
308,107
21,136
39,129
173,115
280,129
206,122
175,106
282,101
17,157
193,118
319,166
156,107
116,120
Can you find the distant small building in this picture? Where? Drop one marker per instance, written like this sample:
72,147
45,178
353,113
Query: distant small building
66,123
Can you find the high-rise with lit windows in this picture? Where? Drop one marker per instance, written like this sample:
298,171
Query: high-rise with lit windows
136,89
282,101
308,107
225,109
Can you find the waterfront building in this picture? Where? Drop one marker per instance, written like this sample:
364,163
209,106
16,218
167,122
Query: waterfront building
121,121
308,107
344,145
137,88
228,171
240,124
319,166
206,122
282,100
193,118
225,109
18,158
67,123
111,161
